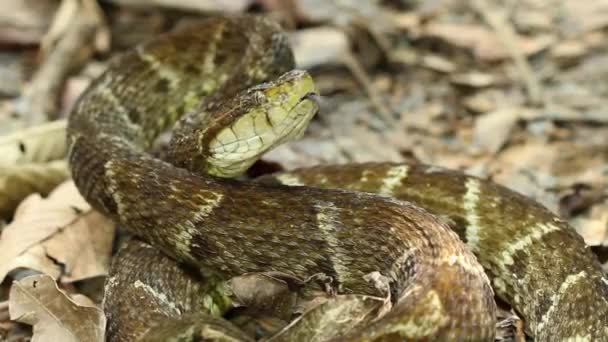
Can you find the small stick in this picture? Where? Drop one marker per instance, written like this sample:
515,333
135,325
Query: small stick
359,73
39,101
508,39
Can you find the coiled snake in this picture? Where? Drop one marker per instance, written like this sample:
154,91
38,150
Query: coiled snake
225,228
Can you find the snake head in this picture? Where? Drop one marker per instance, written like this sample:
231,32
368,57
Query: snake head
257,120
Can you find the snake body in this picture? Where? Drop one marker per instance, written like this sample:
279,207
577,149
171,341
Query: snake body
535,260
226,228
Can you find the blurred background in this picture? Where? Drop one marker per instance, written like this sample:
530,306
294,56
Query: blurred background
514,90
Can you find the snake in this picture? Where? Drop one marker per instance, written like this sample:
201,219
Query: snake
443,243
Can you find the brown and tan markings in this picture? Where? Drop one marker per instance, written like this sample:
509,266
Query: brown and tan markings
535,260
226,228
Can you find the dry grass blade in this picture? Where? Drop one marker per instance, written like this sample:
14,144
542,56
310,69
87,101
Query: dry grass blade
37,300
508,38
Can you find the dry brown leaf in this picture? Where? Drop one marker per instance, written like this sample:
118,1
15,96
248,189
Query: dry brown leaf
474,79
492,130
594,229
311,51
25,166
343,12
529,20
480,102
484,43
265,293
36,144
203,6
527,169
25,21
583,16
20,180
332,318
36,300
438,63
569,50
407,21
60,236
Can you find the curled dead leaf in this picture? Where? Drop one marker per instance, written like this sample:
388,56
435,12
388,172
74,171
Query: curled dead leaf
20,180
264,294
36,144
60,235
332,318
36,300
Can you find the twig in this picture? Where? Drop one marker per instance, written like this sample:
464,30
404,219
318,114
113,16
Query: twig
508,38
359,73
40,99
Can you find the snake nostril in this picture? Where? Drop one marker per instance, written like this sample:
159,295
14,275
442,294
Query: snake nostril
312,96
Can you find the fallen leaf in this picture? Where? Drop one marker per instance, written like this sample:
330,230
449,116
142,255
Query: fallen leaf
340,13
569,50
36,300
36,144
265,293
594,230
203,6
483,42
31,161
311,51
529,20
60,235
480,102
25,22
474,79
527,169
331,318
492,130
438,63
578,17
20,180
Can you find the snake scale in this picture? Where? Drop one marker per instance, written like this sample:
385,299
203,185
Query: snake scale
300,223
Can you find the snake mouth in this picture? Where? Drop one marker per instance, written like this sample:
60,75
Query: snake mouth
309,104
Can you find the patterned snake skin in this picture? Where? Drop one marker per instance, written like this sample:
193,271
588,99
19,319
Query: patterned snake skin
225,228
